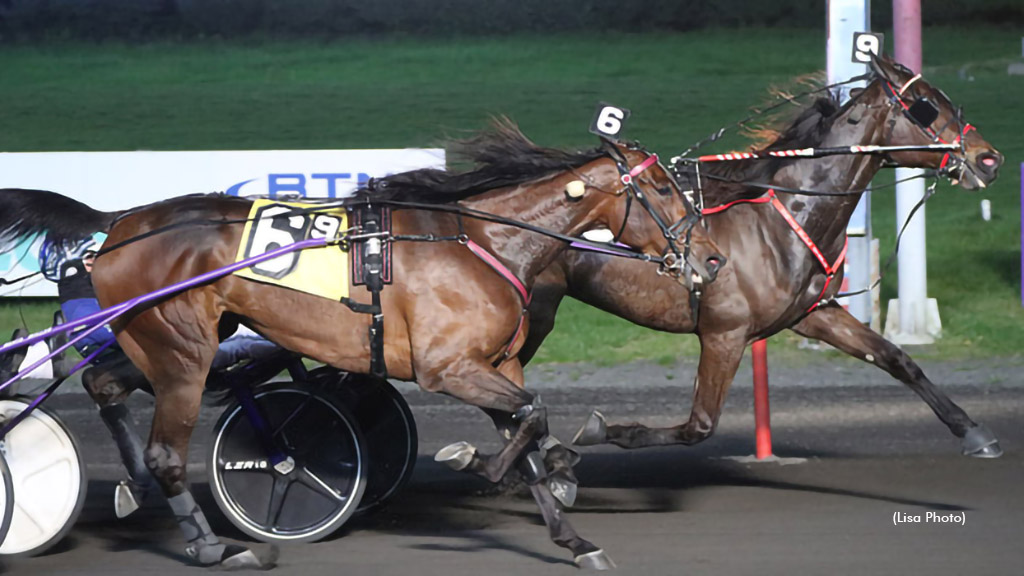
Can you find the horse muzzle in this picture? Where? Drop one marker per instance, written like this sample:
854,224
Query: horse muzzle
693,272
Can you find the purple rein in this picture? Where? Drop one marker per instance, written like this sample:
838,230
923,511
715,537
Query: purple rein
94,321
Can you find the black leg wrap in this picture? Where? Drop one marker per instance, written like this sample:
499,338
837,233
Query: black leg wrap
532,468
129,444
559,461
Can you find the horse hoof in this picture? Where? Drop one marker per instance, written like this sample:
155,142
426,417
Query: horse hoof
596,560
990,451
125,501
239,558
563,490
980,442
457,456
594,431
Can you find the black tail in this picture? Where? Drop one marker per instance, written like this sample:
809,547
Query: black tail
65,221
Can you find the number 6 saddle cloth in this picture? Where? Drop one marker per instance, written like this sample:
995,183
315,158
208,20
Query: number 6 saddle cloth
321,271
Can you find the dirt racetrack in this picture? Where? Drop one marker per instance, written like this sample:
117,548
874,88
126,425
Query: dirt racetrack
872,450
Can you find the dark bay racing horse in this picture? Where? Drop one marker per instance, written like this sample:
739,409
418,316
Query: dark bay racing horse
451,320
775,281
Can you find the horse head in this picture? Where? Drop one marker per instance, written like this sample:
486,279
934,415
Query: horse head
920,114
666,224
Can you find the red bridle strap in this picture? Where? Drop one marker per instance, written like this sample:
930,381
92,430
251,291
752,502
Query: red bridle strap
639,168
830,269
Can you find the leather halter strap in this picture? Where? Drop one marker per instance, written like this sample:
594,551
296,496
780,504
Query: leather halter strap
524,294
772,198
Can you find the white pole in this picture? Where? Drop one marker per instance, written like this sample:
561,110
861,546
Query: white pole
913,267
918,321
845,17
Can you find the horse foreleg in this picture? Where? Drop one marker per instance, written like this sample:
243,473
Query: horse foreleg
837,327
720,356
523,424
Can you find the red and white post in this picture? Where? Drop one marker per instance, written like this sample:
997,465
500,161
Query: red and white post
762,412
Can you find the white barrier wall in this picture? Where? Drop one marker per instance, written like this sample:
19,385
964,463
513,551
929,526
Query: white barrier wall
120,180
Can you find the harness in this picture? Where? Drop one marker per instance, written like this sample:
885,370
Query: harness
923,113
771,198
371,252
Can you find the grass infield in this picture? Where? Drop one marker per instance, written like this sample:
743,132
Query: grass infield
411,92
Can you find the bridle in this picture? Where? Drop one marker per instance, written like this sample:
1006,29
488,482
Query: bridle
922,112
679,263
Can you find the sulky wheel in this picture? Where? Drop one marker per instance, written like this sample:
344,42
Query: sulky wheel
390,433
309,496
48,476
6,497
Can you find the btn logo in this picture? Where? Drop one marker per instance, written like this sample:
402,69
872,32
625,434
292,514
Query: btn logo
316,185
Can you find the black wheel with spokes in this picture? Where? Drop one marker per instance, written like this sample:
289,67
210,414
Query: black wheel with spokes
389,430
312,493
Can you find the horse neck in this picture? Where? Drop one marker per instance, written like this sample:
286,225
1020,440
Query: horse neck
543,205
826,217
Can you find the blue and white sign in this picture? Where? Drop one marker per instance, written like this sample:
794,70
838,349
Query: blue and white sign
120,180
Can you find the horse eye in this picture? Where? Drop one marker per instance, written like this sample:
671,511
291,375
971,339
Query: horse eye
665,191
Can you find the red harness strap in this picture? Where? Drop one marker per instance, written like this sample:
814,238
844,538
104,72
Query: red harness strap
524,294
830,269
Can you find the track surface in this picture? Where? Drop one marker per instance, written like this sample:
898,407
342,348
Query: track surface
872,449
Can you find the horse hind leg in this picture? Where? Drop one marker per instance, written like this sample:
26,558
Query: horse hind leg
837,327
175,415
177,375
109,384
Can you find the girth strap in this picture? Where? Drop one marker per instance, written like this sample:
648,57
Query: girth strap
524,294
773,199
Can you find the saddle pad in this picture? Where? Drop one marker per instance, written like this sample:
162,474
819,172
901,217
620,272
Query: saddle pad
318,271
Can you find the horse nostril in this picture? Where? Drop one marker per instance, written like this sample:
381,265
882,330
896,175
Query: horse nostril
714,264
989,161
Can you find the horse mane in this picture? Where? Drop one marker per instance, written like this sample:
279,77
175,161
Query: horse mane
807,128
499,156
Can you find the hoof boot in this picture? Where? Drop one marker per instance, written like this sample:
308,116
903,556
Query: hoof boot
980,442
596,560
457,456
594,431
563,489
125,500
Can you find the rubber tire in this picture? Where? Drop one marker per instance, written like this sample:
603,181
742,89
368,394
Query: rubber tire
277,394
47,418
6,498
388,426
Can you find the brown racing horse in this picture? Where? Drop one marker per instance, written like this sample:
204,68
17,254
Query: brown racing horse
774,281
451,320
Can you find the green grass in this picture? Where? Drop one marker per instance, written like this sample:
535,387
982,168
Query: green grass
411,92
